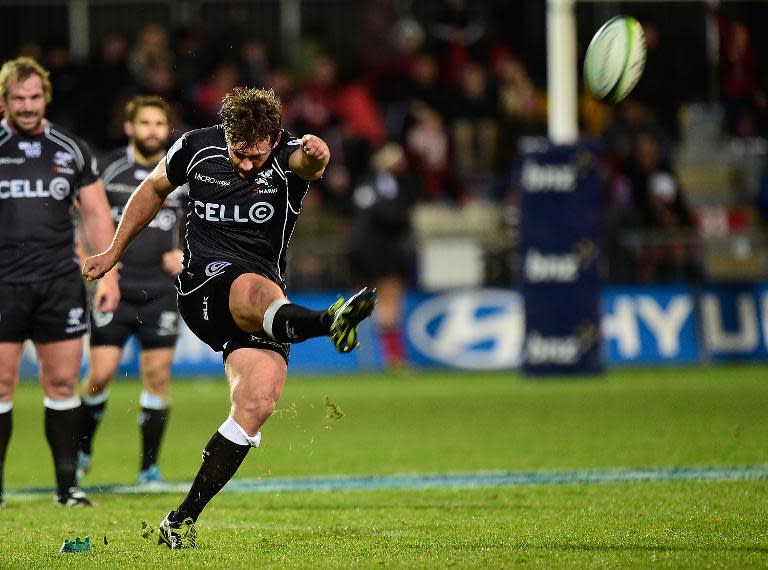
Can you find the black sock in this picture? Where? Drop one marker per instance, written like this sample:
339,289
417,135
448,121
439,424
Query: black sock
61,430
90,417
294,323
221,459
152,423
5,435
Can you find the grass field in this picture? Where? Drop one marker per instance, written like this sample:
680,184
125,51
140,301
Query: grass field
427,423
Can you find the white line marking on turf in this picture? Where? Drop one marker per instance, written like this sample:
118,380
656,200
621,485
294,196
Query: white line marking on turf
448,480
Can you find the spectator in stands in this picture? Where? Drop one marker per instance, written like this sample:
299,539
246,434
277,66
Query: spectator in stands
457,31
427,147
150,51
474,131
104,100
658,89
66,78
380,241
740,85
519,112
207,97
630,118
254,63
658,204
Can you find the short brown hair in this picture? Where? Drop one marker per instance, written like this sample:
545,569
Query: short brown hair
20,69
140,101
251,115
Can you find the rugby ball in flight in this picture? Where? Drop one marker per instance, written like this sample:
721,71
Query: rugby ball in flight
615,59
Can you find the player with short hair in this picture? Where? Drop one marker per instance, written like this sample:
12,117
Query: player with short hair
45,173
147,308
247,178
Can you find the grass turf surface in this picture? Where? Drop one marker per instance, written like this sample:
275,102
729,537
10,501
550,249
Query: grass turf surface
428,423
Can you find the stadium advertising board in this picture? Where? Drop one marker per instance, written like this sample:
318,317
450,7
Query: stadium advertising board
650,325
735,322
560,252
484,330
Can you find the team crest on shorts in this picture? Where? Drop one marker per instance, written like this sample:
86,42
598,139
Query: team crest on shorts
76,320
215,268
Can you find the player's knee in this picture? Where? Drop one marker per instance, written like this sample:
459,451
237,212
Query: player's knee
8,377
258,407
60,387
156,380
97,381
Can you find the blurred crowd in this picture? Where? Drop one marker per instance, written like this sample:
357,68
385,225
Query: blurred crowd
432,113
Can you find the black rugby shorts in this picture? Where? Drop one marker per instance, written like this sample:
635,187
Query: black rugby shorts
149,315
44,311
203,297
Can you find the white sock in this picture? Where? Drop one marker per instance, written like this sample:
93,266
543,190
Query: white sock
59,405
6,407
235,433
95,399
269,316
152,402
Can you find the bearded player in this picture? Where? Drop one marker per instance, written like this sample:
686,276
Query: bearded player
147,308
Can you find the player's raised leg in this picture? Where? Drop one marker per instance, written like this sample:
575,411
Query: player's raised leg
94,393
10,356
256,378
59,370
257,304
155,409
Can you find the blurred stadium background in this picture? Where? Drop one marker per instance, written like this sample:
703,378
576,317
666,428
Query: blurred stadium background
665,288
453,86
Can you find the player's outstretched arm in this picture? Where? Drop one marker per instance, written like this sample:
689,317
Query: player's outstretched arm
310,159
143,205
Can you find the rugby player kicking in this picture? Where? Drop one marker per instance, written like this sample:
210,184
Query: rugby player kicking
247,177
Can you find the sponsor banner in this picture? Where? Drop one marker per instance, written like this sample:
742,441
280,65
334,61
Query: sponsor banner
483,329
195,358
650,325
559,237
474,329
735,322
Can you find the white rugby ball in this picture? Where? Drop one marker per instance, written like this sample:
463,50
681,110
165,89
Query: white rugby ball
615,59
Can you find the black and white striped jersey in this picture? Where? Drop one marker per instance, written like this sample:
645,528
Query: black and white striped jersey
246,222
40,177
142,263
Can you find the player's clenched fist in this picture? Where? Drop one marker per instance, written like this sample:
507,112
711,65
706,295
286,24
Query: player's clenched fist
314,147
97,266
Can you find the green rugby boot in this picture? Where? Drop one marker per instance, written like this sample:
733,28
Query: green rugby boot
347,315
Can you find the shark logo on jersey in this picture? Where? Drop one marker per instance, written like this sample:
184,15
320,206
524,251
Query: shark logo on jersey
140,173
261,177
32,149
215,268
62,158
